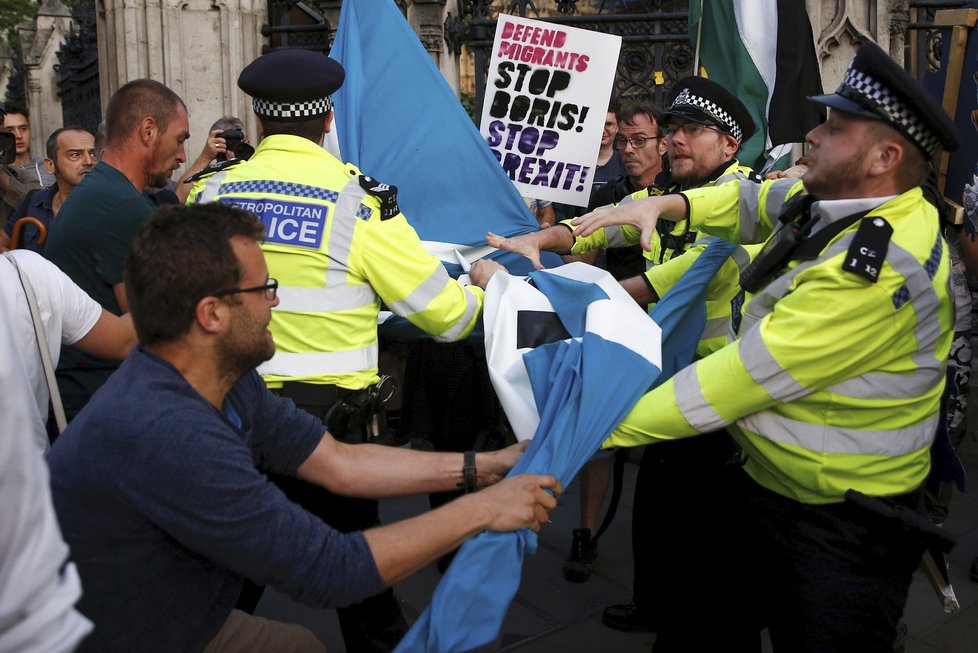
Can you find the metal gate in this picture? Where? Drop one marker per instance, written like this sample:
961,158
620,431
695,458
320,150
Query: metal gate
655,48
293,24
77,70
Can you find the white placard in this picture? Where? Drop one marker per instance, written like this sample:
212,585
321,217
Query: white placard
546,99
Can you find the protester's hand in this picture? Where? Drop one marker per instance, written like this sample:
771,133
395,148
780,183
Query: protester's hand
794,172
482,270
492,466
523,501
643,214
526,245
214,145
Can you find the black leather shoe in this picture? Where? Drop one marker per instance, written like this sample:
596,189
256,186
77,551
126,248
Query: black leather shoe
580,560
627,617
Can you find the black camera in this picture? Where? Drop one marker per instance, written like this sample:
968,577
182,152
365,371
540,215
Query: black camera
235,144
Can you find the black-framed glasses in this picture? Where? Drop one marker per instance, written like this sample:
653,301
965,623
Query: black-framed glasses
638,142
270,289
690,129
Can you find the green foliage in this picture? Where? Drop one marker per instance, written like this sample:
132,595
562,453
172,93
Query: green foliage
12,14
468,102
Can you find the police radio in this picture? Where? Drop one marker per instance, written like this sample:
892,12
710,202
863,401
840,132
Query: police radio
796,223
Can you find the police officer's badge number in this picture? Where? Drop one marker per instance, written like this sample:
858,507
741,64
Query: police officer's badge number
386,193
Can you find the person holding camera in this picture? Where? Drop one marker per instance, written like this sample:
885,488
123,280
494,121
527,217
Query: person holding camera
225,141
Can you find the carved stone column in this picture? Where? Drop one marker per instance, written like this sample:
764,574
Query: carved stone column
842,25
39,42
195,47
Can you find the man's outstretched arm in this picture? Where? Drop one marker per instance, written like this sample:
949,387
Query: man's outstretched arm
402,548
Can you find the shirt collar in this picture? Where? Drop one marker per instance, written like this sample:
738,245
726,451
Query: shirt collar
830,211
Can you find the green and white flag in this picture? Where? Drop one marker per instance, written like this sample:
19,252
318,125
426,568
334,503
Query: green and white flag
762,51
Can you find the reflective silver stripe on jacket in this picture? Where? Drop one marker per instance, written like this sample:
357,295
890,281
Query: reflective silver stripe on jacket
874,385
839,439
211,186
616,237
692,404
927,330
749,201
422,295
471,308
766,371
320,363
716,327
297,299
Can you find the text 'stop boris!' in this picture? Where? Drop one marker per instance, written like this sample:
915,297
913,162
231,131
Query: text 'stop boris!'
546,98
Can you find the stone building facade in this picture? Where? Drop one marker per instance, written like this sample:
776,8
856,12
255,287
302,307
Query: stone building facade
198,47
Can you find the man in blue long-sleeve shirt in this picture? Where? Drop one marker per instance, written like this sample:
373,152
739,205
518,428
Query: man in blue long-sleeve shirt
158,483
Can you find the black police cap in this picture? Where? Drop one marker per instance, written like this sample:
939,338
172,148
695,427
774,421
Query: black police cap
874,86
291,85
704,101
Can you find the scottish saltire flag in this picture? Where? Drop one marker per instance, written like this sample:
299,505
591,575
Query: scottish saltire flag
583,353
762,51
399,122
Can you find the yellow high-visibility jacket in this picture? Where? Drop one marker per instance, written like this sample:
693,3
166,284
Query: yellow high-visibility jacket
335,260
664,265
835,381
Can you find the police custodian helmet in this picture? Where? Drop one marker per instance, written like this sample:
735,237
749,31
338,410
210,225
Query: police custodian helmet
875,87
291,85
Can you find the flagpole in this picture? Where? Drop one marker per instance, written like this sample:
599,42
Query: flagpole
696,52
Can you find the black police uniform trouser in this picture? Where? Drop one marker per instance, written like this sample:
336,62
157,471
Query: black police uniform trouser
687,556
836,578
376,624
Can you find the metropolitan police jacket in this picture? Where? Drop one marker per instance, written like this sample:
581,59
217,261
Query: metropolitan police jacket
336,259
835,381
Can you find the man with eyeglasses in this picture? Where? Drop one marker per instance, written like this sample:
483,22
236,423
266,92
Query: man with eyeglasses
703,128
158,484
340,247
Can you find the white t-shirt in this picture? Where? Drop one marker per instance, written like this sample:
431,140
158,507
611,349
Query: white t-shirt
67,312
39,585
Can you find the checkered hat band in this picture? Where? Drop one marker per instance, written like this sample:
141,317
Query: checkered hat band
865,91
309,109
714,110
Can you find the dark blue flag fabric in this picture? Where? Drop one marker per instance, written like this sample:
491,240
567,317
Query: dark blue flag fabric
399,122
569,355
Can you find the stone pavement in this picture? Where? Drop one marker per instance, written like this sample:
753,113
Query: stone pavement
551,614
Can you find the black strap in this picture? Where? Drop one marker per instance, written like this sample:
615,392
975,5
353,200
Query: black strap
618,477
812,246
470,475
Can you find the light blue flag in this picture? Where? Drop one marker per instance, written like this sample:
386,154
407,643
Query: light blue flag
600,379
399,122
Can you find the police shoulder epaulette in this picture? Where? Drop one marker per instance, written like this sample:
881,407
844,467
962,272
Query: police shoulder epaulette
386,193
211,169
754,177
867,251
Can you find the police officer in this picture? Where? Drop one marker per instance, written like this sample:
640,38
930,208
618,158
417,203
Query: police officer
339,246
835,381
703,129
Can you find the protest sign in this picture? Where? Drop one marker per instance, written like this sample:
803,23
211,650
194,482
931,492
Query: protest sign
546,98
